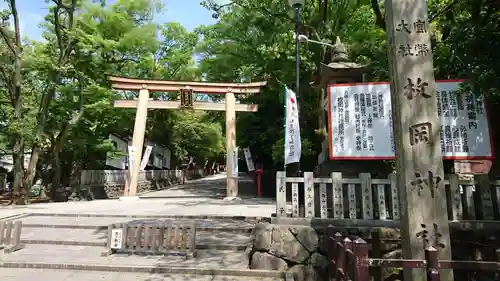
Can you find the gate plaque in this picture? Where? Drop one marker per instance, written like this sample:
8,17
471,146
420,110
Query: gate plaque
186,98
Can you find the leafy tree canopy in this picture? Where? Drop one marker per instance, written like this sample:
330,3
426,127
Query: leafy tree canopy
56,104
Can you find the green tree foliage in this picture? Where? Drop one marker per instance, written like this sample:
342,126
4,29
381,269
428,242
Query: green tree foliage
56,104
65,102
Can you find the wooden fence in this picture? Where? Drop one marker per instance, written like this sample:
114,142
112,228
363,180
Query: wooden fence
348,260
365,198
158,238
10,236
94,177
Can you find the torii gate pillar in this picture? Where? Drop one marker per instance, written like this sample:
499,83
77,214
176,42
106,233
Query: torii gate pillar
138,139
231,173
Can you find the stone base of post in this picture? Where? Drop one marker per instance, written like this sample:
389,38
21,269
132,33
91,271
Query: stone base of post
232,198
129,198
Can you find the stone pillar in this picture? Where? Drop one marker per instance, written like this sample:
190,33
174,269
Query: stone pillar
416,125
138,138
231,180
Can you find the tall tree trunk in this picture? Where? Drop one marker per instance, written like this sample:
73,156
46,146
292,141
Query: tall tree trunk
56,150
76,175
65,48
30,173
19,193
41,121
14,45
56,177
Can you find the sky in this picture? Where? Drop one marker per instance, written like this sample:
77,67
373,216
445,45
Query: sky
187,12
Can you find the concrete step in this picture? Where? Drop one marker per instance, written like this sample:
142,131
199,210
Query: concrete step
88,222
62,254
23,274
89,237
78,258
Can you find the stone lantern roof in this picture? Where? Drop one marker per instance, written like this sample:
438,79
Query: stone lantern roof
340,68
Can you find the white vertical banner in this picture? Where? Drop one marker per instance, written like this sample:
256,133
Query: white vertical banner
145,157
248,159
234,170
293,146
131,158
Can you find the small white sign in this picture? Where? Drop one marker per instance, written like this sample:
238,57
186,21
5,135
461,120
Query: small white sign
234,170
116,238
131,158
248,159
146,156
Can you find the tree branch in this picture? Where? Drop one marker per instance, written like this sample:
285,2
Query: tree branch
443,10
57,29
216,8
17,27
379,18
76,116
9,87
220,7
7,39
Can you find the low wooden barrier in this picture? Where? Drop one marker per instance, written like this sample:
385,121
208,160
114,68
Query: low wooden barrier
348,260
351,199
152,239
10,236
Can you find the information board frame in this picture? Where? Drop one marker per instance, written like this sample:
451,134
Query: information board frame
330,128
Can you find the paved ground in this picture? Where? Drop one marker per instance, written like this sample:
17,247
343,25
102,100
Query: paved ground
197,198
67,275
200,197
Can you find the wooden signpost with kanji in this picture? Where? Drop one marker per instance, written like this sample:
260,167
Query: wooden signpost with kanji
186,90
419,164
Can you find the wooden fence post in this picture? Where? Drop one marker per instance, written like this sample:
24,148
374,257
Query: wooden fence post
295,200
337,196
376,253
485,197
192,241
330,247
456,199
334,255
366,196
431,256
348,269
281,210
362,271
309,194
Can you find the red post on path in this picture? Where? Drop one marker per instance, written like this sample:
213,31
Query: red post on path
259,178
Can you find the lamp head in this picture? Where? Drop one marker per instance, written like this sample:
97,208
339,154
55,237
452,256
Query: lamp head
303,38
295,3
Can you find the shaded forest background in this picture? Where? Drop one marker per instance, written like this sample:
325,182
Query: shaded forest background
56,104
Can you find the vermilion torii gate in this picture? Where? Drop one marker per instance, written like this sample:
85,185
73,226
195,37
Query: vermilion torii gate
186,90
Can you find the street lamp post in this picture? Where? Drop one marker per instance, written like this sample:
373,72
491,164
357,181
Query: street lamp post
296,5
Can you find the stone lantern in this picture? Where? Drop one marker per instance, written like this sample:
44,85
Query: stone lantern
340,70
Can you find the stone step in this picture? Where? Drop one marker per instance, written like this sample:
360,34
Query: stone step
207,224
91,257
89,237
157,216
24,274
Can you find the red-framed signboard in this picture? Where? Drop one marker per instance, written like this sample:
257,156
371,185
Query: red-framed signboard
360,122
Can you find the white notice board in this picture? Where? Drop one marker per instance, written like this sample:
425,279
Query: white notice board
360,122
248,159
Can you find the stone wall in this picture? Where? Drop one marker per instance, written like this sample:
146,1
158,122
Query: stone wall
114,191
292,249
